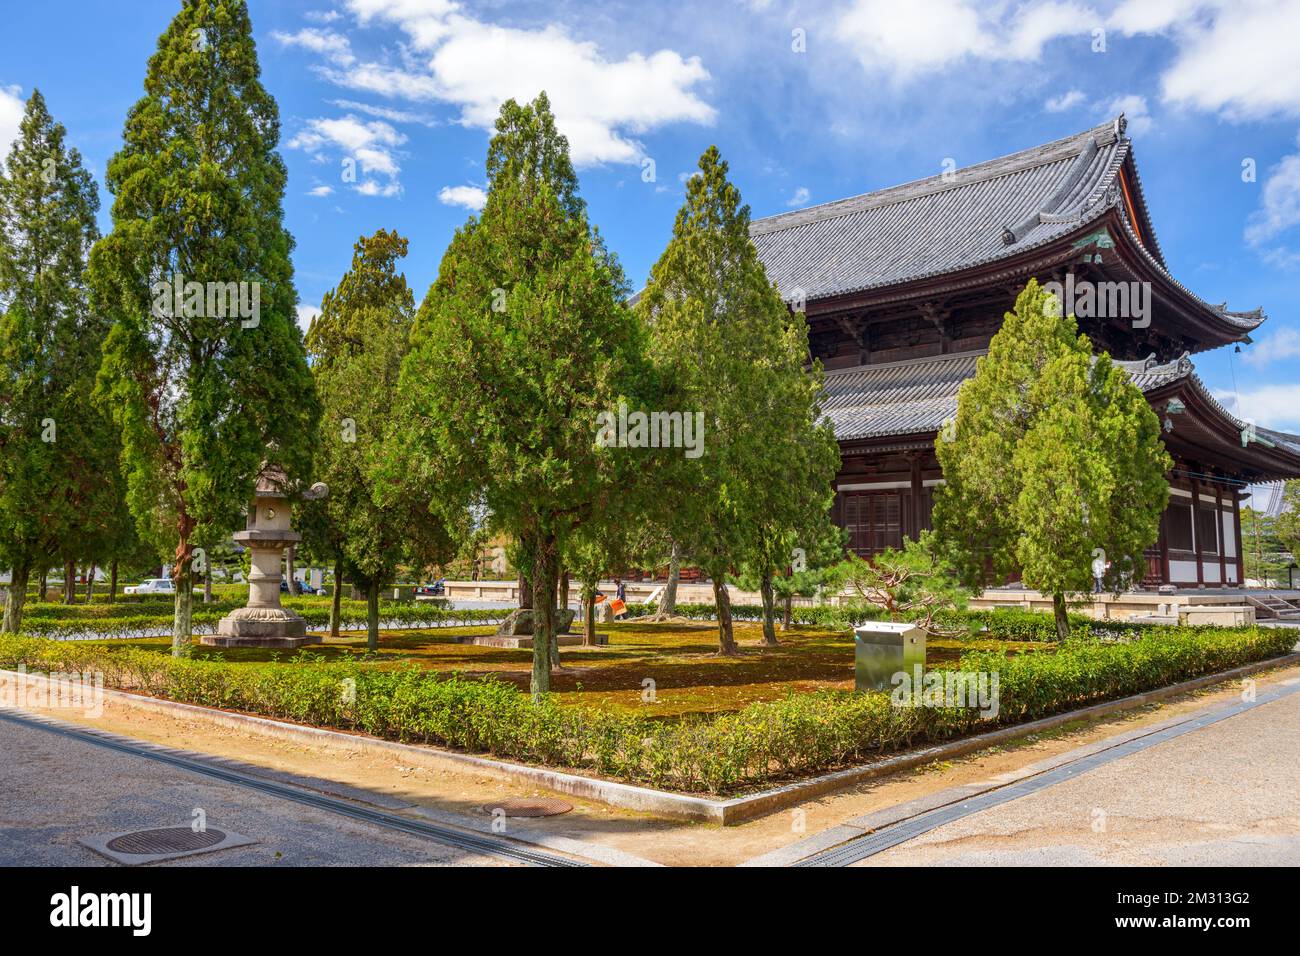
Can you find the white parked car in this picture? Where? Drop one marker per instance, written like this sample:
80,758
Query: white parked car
152,586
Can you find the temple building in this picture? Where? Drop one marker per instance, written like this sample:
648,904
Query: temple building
904,288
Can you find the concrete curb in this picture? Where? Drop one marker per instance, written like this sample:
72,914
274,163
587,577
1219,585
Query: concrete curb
662,802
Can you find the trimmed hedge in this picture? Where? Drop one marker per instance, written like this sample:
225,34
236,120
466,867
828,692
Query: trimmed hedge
1007,624
95,622
800,735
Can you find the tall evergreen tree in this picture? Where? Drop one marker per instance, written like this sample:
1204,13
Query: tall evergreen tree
522,341
357,345
730,348
58,490
205,390
1054,457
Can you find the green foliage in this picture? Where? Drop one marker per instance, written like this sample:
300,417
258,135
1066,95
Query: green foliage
521,343
761,744
357,345
202,400
729,347
1054,457
60,490
1287,524
914,584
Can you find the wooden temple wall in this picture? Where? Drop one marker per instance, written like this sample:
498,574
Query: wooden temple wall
883,497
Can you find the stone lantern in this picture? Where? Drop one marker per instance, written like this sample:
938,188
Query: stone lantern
264,623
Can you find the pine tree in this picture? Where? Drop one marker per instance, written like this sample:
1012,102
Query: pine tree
730,348
58,490
1054,458
209,384
357,345
522,341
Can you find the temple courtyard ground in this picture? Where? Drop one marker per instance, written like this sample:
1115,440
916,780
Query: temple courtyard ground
681,659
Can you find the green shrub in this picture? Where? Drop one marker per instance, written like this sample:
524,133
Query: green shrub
802,734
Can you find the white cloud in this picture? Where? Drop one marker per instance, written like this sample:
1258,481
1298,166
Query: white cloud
1276,347
470,197
800,197
332,45
1269,406
322,16
1235,59
1279,203
305,314
600,104
1064,102
1134,108
385,112
11,114
320,191
369,145
921,36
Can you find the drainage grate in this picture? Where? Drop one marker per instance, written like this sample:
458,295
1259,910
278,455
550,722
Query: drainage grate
165,840
529,807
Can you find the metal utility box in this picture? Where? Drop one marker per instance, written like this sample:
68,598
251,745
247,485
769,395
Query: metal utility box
883,649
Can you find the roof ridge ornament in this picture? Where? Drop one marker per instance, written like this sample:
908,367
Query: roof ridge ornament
1013,234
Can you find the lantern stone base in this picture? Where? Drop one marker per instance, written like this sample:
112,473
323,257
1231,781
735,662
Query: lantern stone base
261,627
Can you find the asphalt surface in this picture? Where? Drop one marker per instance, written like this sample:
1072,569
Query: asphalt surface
1224,795
55,790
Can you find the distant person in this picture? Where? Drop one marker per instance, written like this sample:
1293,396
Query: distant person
1099,565
618,607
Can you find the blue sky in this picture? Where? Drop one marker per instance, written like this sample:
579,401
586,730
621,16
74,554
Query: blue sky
809,102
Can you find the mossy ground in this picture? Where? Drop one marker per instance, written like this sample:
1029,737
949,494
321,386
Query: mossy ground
689,677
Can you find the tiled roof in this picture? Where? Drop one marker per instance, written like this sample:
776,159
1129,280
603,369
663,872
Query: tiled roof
900,398
919,395
963,219
941,225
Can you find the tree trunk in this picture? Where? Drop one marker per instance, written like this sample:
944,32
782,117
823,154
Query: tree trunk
90,583
668,603
589,613
1062,617
45,585
207,582
183,618
69,582
769,610
372,615
544,576
525,592
112,583
726,638
183,576
788,616
15,599
563,602
336,598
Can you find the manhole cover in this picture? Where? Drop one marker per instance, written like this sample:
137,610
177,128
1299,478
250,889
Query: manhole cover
529,807
165,840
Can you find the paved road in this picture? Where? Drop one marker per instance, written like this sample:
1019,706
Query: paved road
54,790
1227,794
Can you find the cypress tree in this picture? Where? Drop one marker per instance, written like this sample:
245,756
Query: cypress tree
521,343
203,367
58,495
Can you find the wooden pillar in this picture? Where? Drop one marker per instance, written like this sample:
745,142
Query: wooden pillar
1236,524
1197,543
1164,547
1223,543
915,517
